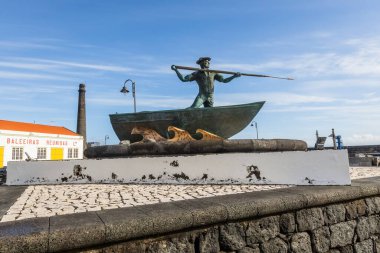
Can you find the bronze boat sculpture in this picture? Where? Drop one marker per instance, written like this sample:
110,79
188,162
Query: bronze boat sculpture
224,121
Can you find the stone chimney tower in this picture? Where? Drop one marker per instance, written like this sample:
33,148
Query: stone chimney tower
81,118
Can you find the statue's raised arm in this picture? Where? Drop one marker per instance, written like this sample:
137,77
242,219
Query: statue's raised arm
187,78
221,79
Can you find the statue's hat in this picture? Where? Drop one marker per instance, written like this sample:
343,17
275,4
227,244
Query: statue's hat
201,59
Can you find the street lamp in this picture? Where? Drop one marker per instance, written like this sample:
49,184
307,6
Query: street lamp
125,90
105,139
254,123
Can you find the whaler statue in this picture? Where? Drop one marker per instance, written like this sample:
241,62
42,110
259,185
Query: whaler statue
195,123
205,80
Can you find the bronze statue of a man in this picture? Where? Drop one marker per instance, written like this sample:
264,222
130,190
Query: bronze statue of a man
205,81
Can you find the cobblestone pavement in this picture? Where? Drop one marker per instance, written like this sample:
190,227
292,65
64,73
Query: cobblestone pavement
49,200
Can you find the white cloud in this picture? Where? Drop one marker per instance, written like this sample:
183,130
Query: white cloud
29,76
145,101
337,110
42,69
361,139
9,90
21,65
25,45
39,64
275,98
353,58
359,58
237,67
27,108
112,68
329,84
26,68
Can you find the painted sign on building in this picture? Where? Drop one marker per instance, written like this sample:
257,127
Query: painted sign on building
26,141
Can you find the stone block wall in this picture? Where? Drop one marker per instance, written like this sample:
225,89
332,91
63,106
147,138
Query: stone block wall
352,150
333,219
361,161
338,228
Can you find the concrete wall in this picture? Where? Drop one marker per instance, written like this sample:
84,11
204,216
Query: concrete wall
325,167
361,161
352,150
299,219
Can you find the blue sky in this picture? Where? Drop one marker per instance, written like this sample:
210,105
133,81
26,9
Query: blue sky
331,48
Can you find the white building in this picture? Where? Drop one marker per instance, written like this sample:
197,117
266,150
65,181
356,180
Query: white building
23,141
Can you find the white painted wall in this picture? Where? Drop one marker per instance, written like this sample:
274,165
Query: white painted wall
30,141
326,167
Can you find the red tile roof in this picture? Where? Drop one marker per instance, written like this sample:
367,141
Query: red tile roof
37,128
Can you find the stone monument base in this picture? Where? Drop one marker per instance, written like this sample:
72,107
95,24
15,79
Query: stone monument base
325,167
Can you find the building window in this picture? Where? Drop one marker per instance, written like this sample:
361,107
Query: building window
41,153
75,153
72,153
17,153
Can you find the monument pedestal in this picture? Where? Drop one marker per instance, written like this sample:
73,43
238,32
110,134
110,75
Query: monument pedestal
325,167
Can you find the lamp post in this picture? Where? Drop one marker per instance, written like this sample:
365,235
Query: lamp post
254,123
125,90
105,139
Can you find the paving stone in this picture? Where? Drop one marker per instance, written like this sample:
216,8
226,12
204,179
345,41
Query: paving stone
347,249
334,251
262,230
274,245
309,219
232,236
363,228
13,211
287,223
249,250
342,234
364,246
26,216
373,205
168,246
355,209
334,214
94,208
209,240
376,245
85,197
300,242
9,217
320,239
374,223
